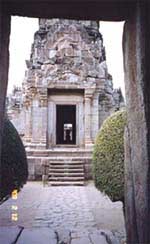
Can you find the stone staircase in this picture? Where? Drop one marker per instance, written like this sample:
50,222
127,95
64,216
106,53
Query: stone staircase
66,172
64,166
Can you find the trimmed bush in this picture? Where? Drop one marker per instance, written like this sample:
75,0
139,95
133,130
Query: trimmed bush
108,156
14,161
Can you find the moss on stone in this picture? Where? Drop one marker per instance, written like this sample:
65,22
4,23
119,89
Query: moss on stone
108,156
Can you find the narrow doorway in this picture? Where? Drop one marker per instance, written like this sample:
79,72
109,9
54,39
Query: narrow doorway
65,124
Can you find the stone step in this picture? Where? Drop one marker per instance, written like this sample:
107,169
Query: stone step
66,178
59,153
65,162
69,174
71,170
66,183
66,166
66,171
48,159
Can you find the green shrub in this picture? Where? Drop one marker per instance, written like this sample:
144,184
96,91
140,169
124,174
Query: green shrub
14,161
108,156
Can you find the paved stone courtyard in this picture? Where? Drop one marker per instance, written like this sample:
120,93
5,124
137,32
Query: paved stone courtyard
71,214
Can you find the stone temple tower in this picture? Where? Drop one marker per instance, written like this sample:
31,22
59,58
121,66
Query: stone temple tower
67,93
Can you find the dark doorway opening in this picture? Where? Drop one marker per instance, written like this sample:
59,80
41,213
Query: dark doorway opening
65,124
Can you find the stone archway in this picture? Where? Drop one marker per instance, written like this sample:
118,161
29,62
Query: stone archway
63,99
136,52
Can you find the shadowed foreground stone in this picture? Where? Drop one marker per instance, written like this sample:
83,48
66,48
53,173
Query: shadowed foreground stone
82,240
64,236
8,235
37,236
45,235
137,150
96,238
110,237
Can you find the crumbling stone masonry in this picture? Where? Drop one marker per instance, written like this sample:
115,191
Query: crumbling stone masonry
67,63
67,91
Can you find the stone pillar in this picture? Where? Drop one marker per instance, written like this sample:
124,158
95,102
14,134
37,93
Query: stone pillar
137,137
87,104
95,115
80,124
43,104
36,121
28,124
51,130
4,65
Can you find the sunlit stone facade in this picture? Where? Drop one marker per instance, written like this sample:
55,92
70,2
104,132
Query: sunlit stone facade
67,67
67,92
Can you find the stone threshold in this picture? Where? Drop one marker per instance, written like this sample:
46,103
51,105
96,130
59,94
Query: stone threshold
59,149
69,158
45,235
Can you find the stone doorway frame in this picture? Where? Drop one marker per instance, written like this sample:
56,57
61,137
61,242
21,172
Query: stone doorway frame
73,123
137,76
57,99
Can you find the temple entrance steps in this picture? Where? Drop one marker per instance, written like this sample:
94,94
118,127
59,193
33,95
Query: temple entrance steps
66,172
62,166
59,152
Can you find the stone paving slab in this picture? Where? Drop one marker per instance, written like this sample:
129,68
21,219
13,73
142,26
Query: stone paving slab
98,238
78,211
8,235
37,236
111,238
20,235
64,236
82,240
